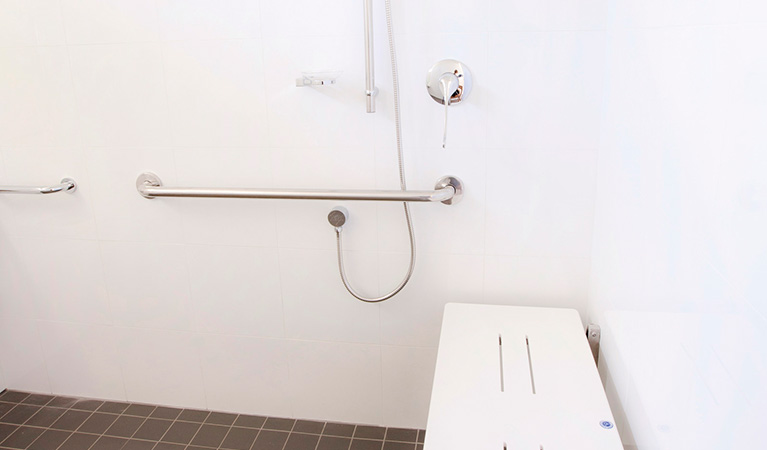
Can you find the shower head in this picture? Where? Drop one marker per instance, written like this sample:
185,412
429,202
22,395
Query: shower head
338,217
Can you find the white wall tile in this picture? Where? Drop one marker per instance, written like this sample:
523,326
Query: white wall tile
545,89
231,362
37,101
540,203
84,360
61,279
518,15
208,19
350,376
300,18
216,92
24,22
121,212
161,366
654,13
120,94
316,304
23,365
414,317
537,281
244,298
98,22
16,24
450,16
148,284
408,373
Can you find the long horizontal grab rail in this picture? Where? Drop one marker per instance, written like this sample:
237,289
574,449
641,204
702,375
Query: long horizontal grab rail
66,185
448,191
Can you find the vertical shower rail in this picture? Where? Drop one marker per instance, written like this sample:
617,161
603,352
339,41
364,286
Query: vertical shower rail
370,80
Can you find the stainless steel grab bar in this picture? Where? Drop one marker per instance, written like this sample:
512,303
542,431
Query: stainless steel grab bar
370,81
448,190
66,185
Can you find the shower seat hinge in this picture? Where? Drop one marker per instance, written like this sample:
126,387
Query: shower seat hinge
594,334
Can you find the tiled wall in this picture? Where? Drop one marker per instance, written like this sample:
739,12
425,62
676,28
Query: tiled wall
680,250
237,305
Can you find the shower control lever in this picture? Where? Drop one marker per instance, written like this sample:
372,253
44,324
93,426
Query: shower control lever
448,83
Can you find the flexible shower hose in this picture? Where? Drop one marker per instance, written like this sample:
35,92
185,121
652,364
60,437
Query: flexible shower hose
400,159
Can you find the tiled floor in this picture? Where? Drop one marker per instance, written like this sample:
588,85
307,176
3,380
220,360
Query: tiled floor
45,422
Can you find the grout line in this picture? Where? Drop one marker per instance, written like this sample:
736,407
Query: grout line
227,431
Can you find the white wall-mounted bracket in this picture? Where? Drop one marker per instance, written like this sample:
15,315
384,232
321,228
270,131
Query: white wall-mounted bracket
317,79
594,335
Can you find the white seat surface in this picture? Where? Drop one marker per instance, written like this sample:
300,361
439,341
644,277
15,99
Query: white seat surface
517,378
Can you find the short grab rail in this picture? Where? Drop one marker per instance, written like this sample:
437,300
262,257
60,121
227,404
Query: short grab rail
66,185
448,191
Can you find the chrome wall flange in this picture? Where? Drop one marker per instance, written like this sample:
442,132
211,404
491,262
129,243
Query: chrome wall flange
147,179
72,185
456,183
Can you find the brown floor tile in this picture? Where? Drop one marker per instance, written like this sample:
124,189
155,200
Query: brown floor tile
300,441
20,414
37,399
369,432
217,418
133,444
276,423
109,443
71,420
338,429
113,407
152,429
210,436
309,426
6,430
97,423
181,432
169,446
22,437
401,434
389,445
193,415
125,426
5,407
421,436
50,439
365,444
239,438
333,443
13,396
249,421
46,417
87,405
78,441
139,410
270,440
62,402
163,412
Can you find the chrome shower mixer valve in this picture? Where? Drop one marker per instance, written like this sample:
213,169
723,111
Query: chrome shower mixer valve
448,83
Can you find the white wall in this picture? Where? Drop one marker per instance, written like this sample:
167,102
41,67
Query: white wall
680,250
237,305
